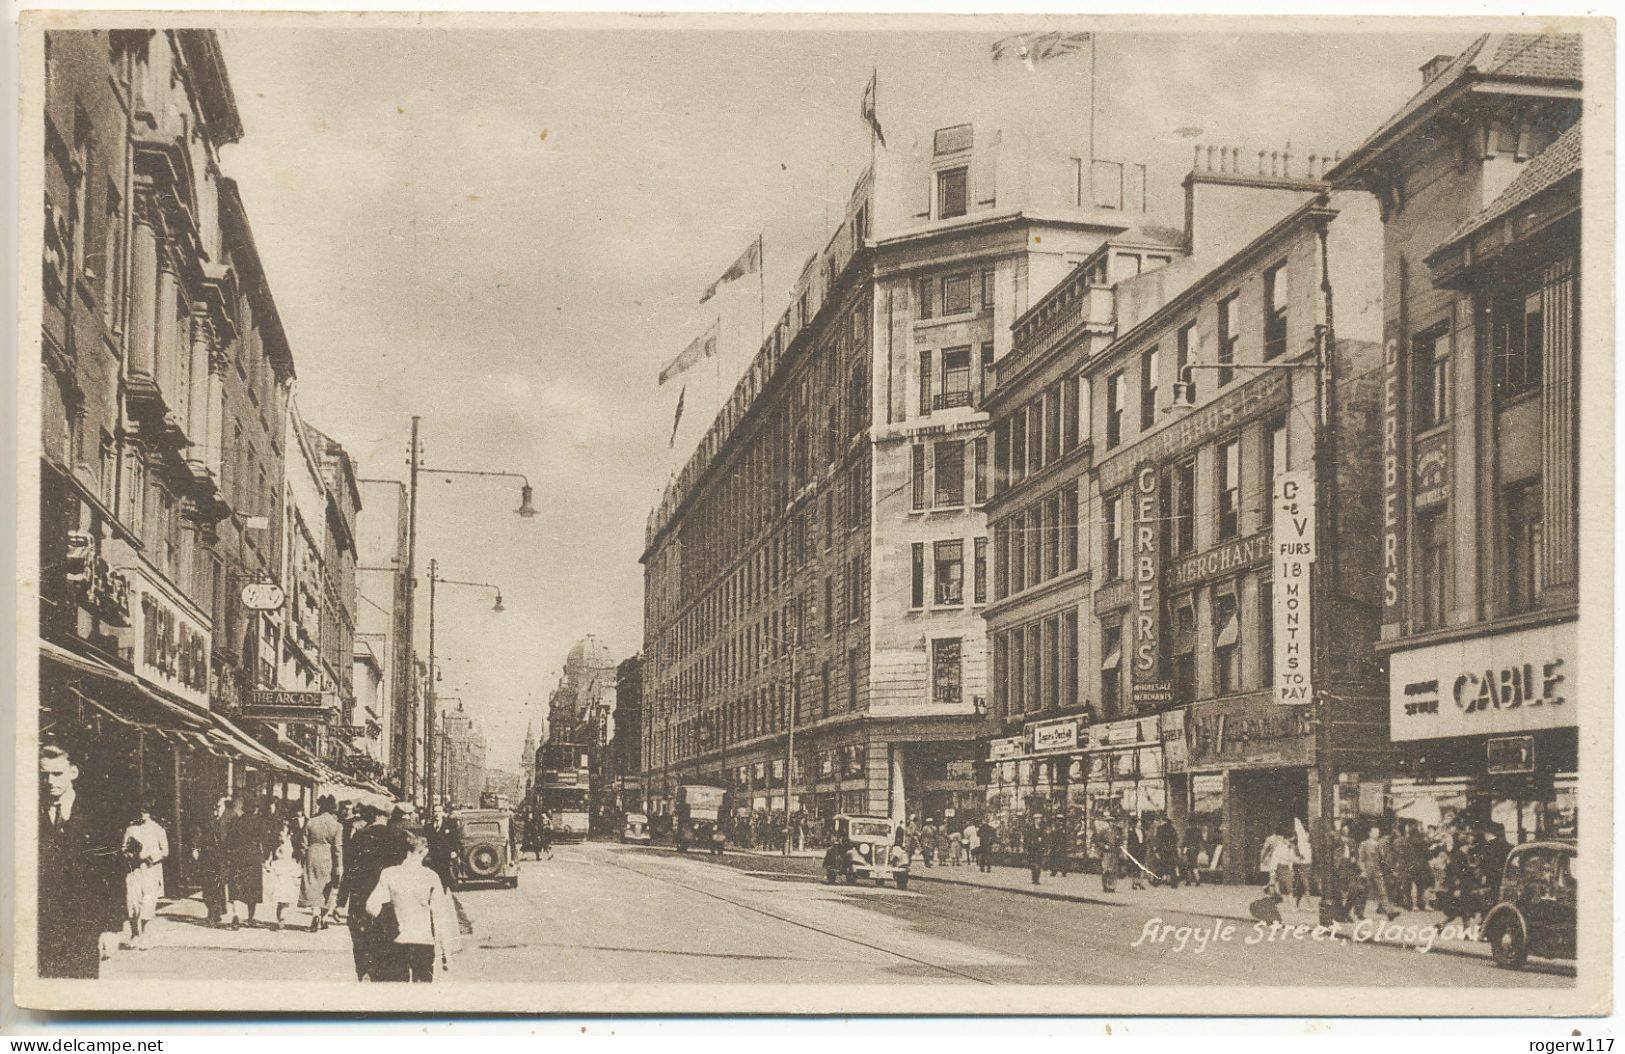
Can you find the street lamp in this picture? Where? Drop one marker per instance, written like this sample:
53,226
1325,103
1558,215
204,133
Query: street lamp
429,708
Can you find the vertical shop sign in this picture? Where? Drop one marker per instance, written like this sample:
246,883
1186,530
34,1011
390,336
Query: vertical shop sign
1294,555
1393,482
1147,569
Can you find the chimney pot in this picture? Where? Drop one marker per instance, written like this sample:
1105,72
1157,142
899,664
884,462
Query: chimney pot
1262,154
1210,150
1196,158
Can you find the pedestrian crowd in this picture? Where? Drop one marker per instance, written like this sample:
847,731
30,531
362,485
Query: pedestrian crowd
101,876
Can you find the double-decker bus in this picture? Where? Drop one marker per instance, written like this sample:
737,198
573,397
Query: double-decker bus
562,774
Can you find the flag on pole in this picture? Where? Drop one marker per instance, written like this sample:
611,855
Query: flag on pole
1033,48
868,110
749,262
704,346
677,420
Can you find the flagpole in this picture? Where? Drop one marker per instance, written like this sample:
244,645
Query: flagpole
1092,118
761,287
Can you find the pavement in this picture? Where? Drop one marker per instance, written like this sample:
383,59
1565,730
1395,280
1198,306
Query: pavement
605,913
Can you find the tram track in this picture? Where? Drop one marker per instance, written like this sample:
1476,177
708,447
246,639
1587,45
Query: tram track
798,923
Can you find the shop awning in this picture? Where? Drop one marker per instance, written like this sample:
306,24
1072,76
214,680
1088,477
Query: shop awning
161,711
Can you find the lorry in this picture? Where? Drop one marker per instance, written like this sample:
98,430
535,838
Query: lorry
699,814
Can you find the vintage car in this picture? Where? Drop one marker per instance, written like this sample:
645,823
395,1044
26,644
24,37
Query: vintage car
1535,915
871,839
635,828
483,847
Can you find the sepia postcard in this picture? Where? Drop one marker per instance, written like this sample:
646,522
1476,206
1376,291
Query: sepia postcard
839,514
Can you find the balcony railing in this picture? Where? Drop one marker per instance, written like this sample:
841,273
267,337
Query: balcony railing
946,400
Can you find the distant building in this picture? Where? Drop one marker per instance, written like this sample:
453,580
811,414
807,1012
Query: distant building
461,760
1479,180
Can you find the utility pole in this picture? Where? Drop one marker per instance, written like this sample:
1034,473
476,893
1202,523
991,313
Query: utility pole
409,648
1322,584
429,750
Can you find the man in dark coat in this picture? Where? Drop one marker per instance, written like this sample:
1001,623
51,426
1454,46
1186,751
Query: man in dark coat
985,837
81,887
372,849
244,839
211,859
1166,845
1036,845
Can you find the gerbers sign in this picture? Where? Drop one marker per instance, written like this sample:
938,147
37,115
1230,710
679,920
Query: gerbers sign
1294,554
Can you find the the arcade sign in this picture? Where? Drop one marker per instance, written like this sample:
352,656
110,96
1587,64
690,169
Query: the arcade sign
1508,682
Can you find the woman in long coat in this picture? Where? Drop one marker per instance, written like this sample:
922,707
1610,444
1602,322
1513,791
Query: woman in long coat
324,863
245,859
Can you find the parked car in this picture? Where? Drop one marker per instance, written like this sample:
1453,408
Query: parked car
1535,915
635,828
484,848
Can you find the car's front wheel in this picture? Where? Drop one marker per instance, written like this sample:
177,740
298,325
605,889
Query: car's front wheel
1508,942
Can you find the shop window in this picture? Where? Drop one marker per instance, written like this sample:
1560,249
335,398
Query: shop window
1430,376
949,575
1111,669
1516,344
1226,643
1433,558
1523,525
1275,296
1182,648
946,670
1229,486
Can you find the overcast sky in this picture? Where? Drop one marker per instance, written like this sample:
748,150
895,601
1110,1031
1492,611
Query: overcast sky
507,232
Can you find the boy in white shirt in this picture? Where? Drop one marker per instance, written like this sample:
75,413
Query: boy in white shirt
425,919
